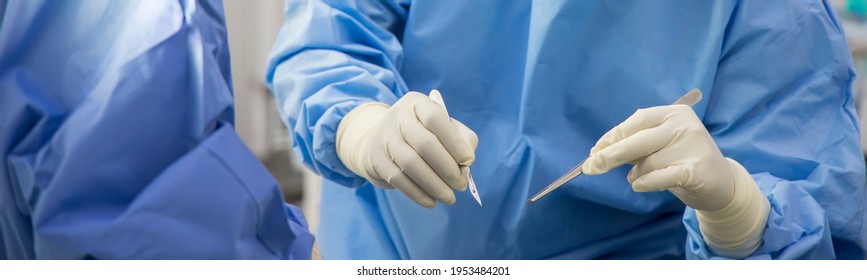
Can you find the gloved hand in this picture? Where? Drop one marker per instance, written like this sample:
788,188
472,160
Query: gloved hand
413,146
671,150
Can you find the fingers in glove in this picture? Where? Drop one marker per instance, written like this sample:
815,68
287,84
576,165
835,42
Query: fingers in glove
389,172
673,176
637,145
640,120
420,172
670,155
426,144
435,118
467,133
380,183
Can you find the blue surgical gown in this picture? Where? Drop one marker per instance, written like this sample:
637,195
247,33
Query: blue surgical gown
540,82
117,140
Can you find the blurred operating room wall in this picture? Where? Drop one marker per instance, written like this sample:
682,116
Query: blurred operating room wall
252,28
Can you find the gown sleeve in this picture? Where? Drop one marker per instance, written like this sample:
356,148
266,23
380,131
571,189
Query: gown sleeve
782,106
330,57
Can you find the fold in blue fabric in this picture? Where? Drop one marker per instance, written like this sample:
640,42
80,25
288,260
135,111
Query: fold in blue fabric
117,138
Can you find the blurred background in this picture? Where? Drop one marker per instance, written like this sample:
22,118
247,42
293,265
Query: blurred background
253,27
853,16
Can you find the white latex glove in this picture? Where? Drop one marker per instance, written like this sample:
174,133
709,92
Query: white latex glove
672,150
413,146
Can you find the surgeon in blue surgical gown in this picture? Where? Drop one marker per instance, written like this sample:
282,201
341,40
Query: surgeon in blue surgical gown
117,138
766,166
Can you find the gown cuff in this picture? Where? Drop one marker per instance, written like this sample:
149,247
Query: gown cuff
736,230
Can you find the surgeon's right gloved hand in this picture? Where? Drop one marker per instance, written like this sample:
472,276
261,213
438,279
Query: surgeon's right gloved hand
672,150
413,146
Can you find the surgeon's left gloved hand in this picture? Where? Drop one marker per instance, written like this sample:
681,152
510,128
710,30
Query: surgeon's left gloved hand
413,146
672,150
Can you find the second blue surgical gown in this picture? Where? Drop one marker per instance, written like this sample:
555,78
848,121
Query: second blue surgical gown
117,140
540,82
